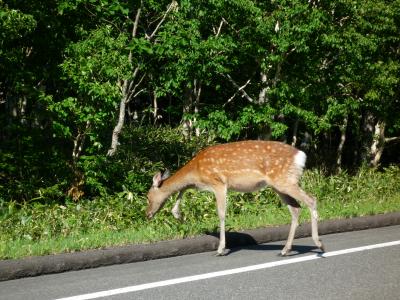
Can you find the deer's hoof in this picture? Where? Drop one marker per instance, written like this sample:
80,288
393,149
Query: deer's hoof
285,251
322,247
222,252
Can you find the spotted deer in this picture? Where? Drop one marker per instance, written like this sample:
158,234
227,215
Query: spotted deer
245,166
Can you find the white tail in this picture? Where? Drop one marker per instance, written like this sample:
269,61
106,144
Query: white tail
241,166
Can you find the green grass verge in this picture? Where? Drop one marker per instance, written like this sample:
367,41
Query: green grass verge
39,229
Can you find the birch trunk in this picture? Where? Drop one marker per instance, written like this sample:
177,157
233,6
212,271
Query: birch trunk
265,130
367,137
378,143
197,93
118,127
262,96
155,109
192,97
126,94
343,129
75,191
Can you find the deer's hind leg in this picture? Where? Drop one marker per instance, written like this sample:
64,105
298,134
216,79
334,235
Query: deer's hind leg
294,209
294,191
220,195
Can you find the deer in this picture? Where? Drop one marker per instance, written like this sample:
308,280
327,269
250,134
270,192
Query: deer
244,166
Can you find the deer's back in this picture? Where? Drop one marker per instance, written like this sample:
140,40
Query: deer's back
247,165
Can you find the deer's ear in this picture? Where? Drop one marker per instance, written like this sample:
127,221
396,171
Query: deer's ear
165,175
157,180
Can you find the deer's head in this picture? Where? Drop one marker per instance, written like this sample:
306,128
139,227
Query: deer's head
156,197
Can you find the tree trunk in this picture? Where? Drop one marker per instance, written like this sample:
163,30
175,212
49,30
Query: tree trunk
367,137
186,121
378,144
120,124
197,93
192,97
264,132
75,191
262,96
343,129
127,93
155,109
22,109
130,87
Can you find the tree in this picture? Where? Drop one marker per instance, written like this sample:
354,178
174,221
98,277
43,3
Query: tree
30,41
192,51
365,68
87,113
130,83
272,52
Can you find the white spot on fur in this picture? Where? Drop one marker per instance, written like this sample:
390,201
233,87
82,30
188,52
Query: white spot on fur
300,159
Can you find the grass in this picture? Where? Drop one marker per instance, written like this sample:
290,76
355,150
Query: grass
39,229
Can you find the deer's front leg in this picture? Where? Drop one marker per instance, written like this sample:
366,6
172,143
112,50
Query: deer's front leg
175,210
220,195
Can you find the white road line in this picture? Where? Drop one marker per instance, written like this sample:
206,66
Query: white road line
268,265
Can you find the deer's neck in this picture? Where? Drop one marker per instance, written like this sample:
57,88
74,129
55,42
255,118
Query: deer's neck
182,179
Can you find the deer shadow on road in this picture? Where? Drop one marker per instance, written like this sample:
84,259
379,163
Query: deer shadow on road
238,241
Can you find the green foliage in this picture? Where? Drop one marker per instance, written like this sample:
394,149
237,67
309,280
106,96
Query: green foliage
185,52
218,123
91,66
14,24
108,7
144,151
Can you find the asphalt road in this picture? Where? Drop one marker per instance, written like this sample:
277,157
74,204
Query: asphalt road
255,272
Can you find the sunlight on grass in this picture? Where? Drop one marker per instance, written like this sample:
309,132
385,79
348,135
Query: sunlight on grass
36,229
